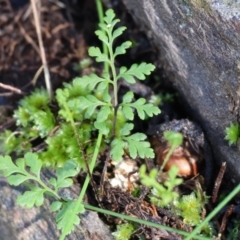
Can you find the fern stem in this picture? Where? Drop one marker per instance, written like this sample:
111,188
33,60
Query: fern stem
170,152
86,182
114,75
49,190
104,46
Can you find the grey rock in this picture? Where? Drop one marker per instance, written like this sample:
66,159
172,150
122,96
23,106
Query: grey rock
18,223
199,48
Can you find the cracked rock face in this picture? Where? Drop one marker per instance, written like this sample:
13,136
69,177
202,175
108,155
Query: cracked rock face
199,47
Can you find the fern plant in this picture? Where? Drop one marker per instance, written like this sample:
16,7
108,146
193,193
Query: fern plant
111,118
163,193
29,169
85,107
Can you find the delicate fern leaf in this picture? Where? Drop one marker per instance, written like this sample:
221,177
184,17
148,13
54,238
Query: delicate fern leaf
102,127
117,149
128,97
137,137
69,169
104,27
34,163
75,90
7,167
95,52
89,81
126,129
90,103
62,96
153,174
73,112
106,97
55,206
144,109
128,112
122,48
65,183
102,86
67,217
123,74
117,32
151,110
103,113
175,139
147,180
138,147
232,133
109,16
53,182
31,198
17,179
139,71
102,36
173,179
68,99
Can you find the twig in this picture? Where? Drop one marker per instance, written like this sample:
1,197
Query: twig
37,74
11,88
42,51
218,182
27,37
225,218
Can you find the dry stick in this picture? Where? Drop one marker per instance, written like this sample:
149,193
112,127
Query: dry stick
42,51
225,218
218,182
27,37
37,74
11,88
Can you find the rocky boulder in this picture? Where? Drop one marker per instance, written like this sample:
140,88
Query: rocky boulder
38,223
199,45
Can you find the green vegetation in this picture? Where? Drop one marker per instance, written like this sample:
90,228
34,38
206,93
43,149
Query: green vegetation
232,133
86,109
85,119
190,207
124,231
163,194
17,174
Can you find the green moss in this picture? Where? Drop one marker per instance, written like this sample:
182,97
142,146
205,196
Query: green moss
232,133
124,231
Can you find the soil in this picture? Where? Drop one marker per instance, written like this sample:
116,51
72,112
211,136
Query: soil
68,30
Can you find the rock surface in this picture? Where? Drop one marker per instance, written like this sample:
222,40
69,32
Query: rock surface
199,45
18,223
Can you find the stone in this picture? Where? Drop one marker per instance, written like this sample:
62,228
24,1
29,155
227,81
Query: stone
199,49
38,223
